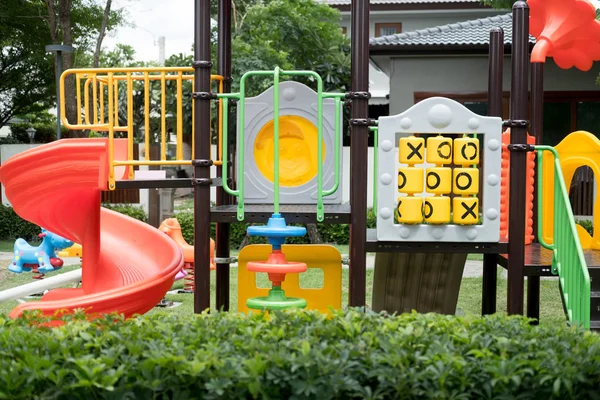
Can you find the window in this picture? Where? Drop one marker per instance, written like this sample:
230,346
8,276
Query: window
386,29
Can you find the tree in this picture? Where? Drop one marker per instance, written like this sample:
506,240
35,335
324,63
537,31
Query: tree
80,22
26,26
294,34
26,78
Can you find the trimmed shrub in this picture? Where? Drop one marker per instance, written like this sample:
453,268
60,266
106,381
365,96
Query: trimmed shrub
330,233
12,226
297,355
129,210
587,225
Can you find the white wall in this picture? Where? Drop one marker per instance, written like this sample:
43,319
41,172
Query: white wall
7,151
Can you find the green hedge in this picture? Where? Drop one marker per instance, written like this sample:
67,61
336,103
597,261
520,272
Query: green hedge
298,355
12,227
330,233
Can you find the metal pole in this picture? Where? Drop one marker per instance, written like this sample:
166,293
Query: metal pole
202,67
58,74
518,159
495,109
537,130
222,232
358,153
58,49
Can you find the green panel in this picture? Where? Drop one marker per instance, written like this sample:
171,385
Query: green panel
557,122
478,107
588,117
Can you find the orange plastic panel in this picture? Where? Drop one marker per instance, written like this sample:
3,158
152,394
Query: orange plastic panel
172,228
505,186
566,30
69,175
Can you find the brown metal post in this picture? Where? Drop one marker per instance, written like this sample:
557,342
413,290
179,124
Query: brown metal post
495,108
202,67
518,159
222,231
358,153
537,130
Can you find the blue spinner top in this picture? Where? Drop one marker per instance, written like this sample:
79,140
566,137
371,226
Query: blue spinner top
276,231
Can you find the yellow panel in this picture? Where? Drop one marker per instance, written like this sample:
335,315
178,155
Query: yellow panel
410,210
465,210
466,151
439,180
578,149
316,256
411,150
298,154
466,181
439,150
436,210
73,251
410,180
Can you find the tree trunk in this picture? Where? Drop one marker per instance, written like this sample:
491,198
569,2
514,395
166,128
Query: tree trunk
313,234
67,40
102,33
52,24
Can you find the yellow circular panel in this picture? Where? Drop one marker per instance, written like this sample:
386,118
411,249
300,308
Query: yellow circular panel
297,151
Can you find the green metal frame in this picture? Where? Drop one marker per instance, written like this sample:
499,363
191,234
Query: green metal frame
241,97
567,259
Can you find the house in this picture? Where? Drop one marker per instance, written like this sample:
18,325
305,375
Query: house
451,60
389,17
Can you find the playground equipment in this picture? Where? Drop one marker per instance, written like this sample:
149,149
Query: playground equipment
126,282
316,257
299,126
426,218
43,257
505,189
576,150
567,31
172,228
440,208
74,251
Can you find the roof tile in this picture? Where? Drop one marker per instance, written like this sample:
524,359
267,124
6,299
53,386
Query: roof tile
475,32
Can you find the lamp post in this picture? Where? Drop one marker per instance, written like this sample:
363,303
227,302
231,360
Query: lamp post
31,133
58,49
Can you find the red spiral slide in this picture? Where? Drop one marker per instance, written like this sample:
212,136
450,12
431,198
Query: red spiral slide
128,265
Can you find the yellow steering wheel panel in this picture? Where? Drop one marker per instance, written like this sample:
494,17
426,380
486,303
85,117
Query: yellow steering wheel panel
297,151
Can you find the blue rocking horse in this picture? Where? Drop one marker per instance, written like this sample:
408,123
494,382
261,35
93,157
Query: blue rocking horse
42,257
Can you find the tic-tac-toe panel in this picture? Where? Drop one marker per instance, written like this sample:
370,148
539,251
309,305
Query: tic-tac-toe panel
298,158
439,169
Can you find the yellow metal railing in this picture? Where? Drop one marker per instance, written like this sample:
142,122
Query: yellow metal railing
99,103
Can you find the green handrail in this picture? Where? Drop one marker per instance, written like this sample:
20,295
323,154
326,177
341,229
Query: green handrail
241,97
567,258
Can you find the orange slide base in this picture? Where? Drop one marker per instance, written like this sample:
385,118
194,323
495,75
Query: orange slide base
57,186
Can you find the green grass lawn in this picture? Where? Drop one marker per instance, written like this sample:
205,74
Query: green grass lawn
469,302
7,245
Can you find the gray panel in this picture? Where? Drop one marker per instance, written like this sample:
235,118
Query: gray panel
295,99
438,115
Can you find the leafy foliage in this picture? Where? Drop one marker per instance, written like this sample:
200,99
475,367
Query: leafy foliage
26,70
129,210
295,34
12,226
297,355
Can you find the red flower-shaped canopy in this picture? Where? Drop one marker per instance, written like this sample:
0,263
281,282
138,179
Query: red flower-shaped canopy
566,30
